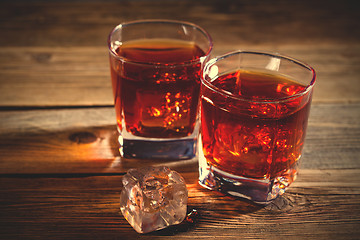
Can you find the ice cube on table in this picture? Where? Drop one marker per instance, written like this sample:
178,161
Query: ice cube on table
153,198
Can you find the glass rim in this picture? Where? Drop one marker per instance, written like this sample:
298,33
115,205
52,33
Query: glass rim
160,21
211,62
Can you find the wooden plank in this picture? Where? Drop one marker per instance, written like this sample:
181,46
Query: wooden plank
59,76
333,136
80,76
321,204
67,23
84,141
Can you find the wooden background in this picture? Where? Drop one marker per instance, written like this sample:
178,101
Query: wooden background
60,172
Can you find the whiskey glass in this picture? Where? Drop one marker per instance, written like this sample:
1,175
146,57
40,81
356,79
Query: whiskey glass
254,113
155,70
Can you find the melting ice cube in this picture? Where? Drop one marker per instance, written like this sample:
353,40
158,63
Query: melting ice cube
153,198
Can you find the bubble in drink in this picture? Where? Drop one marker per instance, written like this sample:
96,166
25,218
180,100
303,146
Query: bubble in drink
153,198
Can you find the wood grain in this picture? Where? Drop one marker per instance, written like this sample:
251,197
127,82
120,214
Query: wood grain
321,204
54,77
67,23
85,141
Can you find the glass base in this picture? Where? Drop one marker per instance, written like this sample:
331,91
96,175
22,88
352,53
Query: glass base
166,149
184,148
259,191
158,148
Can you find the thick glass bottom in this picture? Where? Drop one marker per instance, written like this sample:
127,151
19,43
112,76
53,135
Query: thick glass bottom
158,148
167,150
259,191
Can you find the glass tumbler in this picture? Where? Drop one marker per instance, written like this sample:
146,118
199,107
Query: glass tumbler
155,71
254,113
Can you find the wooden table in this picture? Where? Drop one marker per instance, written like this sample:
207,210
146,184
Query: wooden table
60,171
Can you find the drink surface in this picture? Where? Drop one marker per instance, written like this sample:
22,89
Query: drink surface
258,136
158,98
157,50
